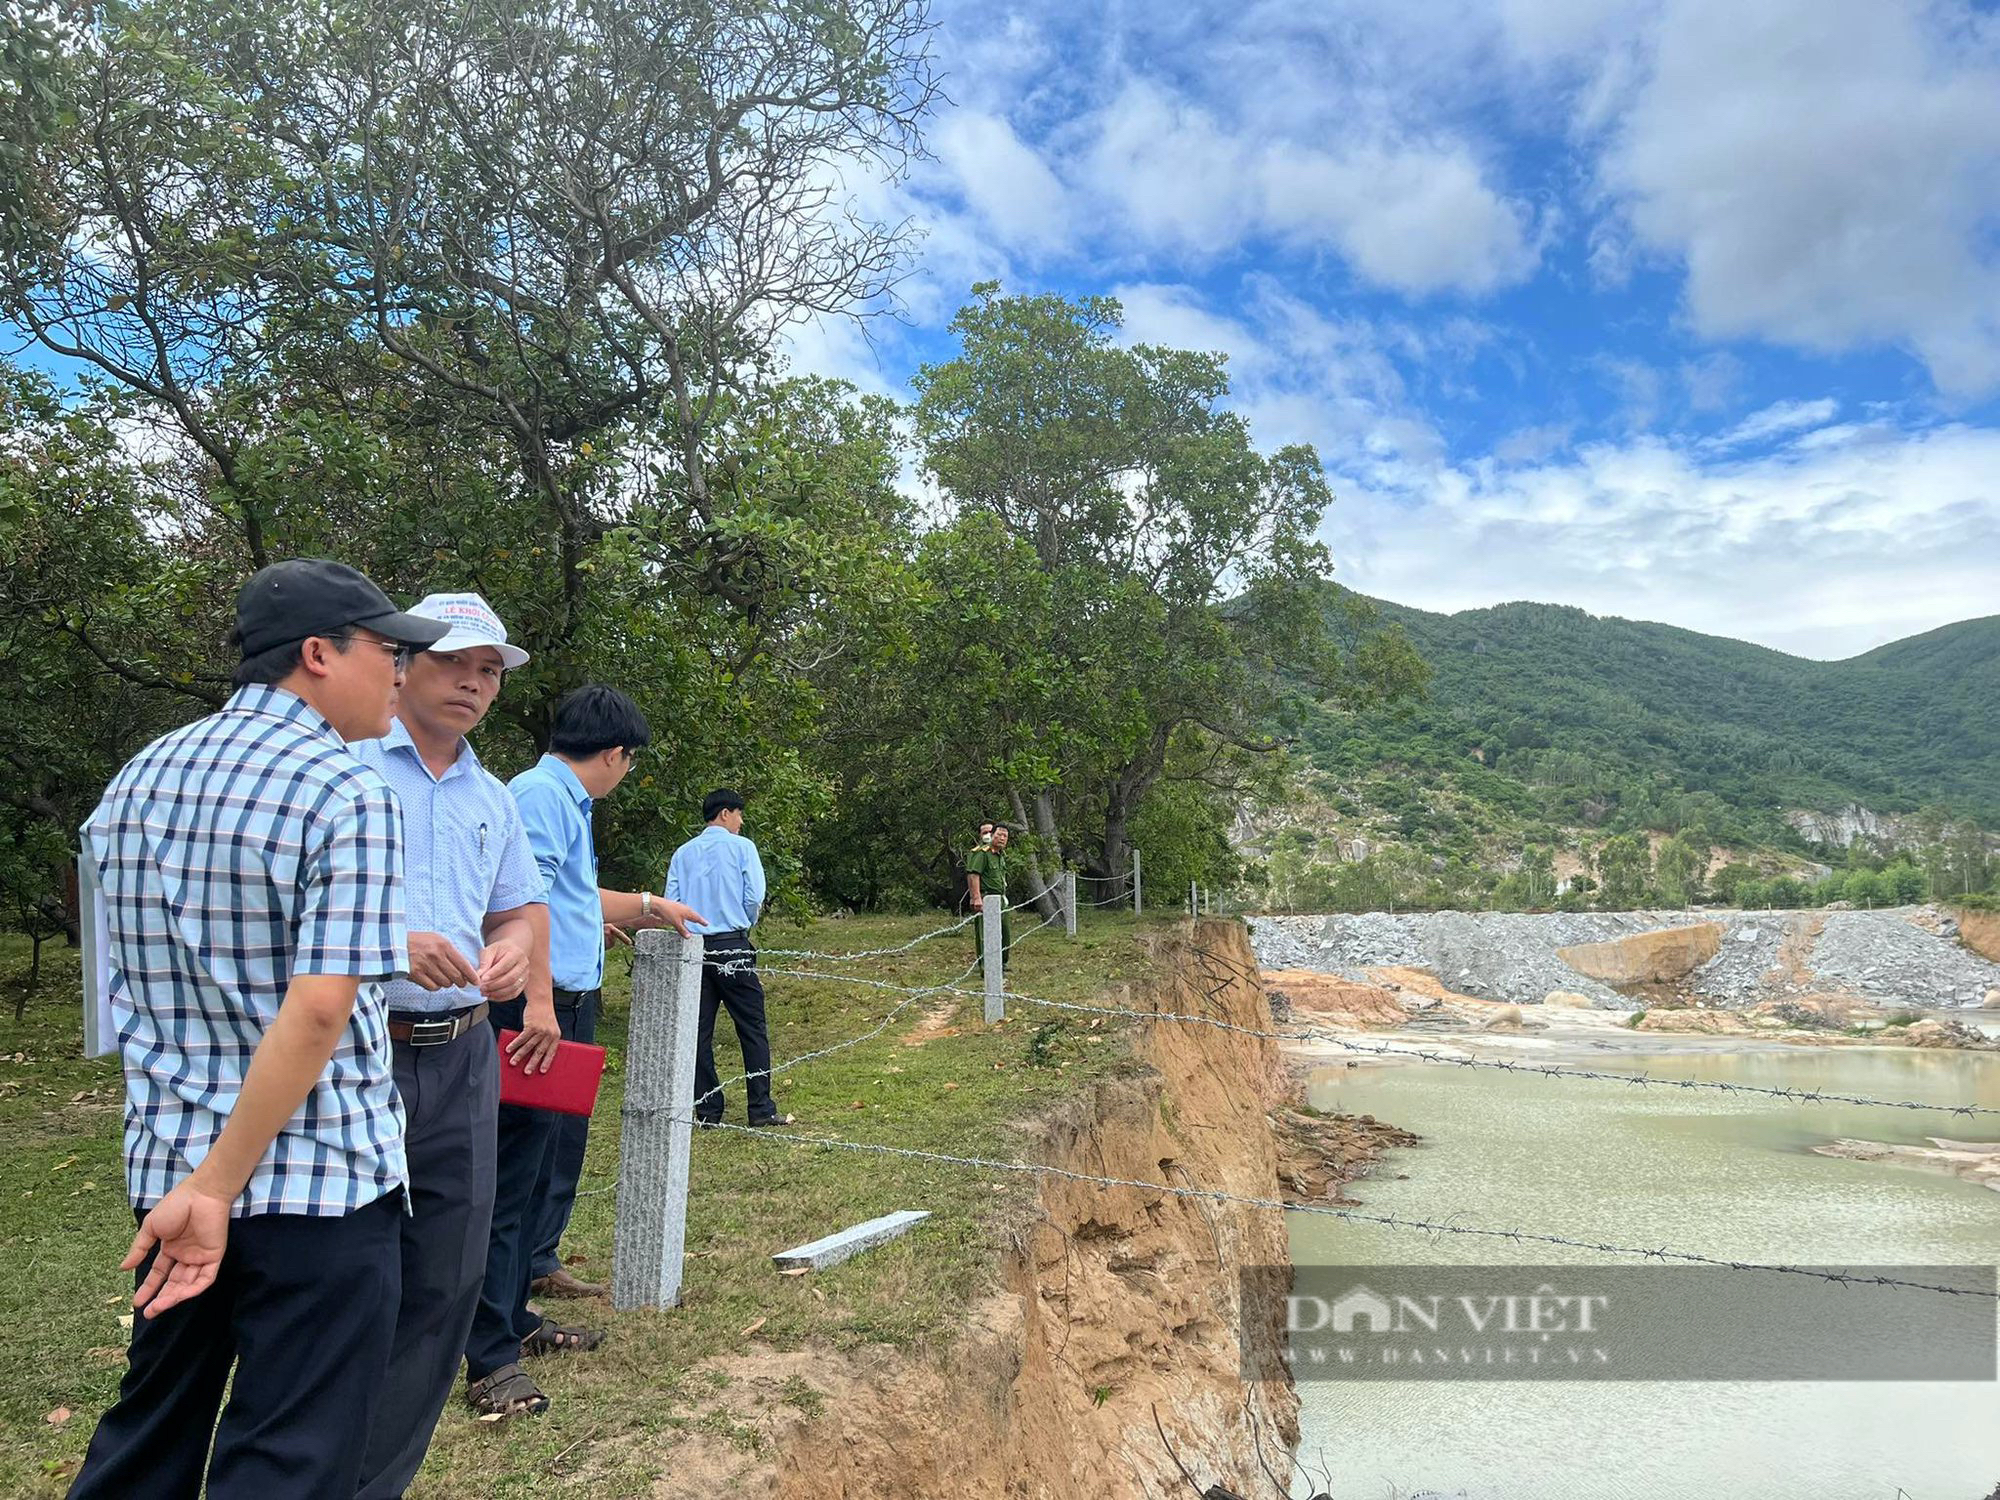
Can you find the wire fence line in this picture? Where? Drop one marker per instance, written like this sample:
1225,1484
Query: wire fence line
860,953
736,960
1350,1215
912,994
1503,1065
1231,969
911,997
1116,898
1422,1054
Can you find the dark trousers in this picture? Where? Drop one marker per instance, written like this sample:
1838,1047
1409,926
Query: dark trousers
450,1094
524,1166
304,1309
578,1020
741,993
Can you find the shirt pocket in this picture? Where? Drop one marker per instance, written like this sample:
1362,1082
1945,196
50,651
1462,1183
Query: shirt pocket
473,854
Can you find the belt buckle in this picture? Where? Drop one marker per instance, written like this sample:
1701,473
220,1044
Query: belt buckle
433,1033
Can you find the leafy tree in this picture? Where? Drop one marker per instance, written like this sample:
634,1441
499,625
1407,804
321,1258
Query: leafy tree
1625,872
1679,868
1176,560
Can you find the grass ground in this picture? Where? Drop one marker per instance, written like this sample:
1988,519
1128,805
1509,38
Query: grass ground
64,1222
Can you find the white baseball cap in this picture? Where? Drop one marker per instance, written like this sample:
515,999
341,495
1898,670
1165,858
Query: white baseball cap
472,623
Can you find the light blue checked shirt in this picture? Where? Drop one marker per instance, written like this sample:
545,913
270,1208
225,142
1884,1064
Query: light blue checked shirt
236,852
719,874
465,855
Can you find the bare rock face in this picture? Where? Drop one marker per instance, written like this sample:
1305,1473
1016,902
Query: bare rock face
1972,1160
1333,1000
1938,1033
1568,1000
1662,957
1980,931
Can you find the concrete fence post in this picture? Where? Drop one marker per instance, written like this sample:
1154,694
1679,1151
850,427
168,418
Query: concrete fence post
1069,902
1194,898
1138,903
989,934
657,1120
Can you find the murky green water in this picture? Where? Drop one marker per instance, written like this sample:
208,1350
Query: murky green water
1697,1171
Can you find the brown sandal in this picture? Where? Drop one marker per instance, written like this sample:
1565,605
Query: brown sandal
554,1338
507,1392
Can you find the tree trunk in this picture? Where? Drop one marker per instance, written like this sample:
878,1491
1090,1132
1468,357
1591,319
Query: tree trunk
1042,898
34,979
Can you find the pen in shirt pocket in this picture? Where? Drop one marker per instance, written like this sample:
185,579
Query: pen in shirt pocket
482,840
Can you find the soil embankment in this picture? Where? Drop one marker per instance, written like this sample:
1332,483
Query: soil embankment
1113,1302
1980,931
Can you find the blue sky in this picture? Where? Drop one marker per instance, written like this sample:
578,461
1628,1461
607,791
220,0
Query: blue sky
1685,310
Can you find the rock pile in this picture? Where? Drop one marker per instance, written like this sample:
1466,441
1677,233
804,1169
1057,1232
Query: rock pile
1909,957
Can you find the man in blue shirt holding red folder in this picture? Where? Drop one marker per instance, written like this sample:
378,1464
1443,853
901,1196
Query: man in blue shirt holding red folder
597,735
479,943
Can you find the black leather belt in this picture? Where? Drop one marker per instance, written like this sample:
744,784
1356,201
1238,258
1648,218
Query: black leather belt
434,1031
573,997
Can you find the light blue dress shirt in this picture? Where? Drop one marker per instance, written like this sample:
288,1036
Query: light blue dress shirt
465,856
719,874
556,810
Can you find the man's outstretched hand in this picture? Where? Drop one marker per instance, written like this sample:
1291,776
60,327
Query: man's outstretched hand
191,1229
674,914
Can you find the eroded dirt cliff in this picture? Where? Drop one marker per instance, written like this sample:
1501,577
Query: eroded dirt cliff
1113,1303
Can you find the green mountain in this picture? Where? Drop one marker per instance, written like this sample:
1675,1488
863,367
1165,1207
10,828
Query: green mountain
1544,715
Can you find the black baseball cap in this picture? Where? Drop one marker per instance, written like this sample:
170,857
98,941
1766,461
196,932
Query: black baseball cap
303,596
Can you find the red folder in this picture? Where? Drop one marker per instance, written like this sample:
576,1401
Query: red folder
569,1087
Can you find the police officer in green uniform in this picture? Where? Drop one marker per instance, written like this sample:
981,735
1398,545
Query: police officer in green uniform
986,875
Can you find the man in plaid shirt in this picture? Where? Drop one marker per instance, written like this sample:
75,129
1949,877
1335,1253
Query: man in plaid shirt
252,872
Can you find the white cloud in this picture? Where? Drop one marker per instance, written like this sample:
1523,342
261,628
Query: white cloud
1003,180
1532,444
1827,171
1845,536
1415,214
1176,174
1416,218
1824,551
1778,418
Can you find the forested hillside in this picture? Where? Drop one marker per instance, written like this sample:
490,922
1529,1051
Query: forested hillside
1543,724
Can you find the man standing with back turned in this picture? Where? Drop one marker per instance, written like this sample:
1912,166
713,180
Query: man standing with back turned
718,872
252,871
479,933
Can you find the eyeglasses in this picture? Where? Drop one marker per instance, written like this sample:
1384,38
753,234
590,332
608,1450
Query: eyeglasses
399,652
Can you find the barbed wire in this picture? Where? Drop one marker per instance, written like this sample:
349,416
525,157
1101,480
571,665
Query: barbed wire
1350,1215
911,998
859,953
1504,1065
1406,1051
912,995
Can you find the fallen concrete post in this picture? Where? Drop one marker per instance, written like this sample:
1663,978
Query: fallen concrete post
848,1243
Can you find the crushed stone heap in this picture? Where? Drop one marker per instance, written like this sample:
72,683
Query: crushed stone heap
1907,956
